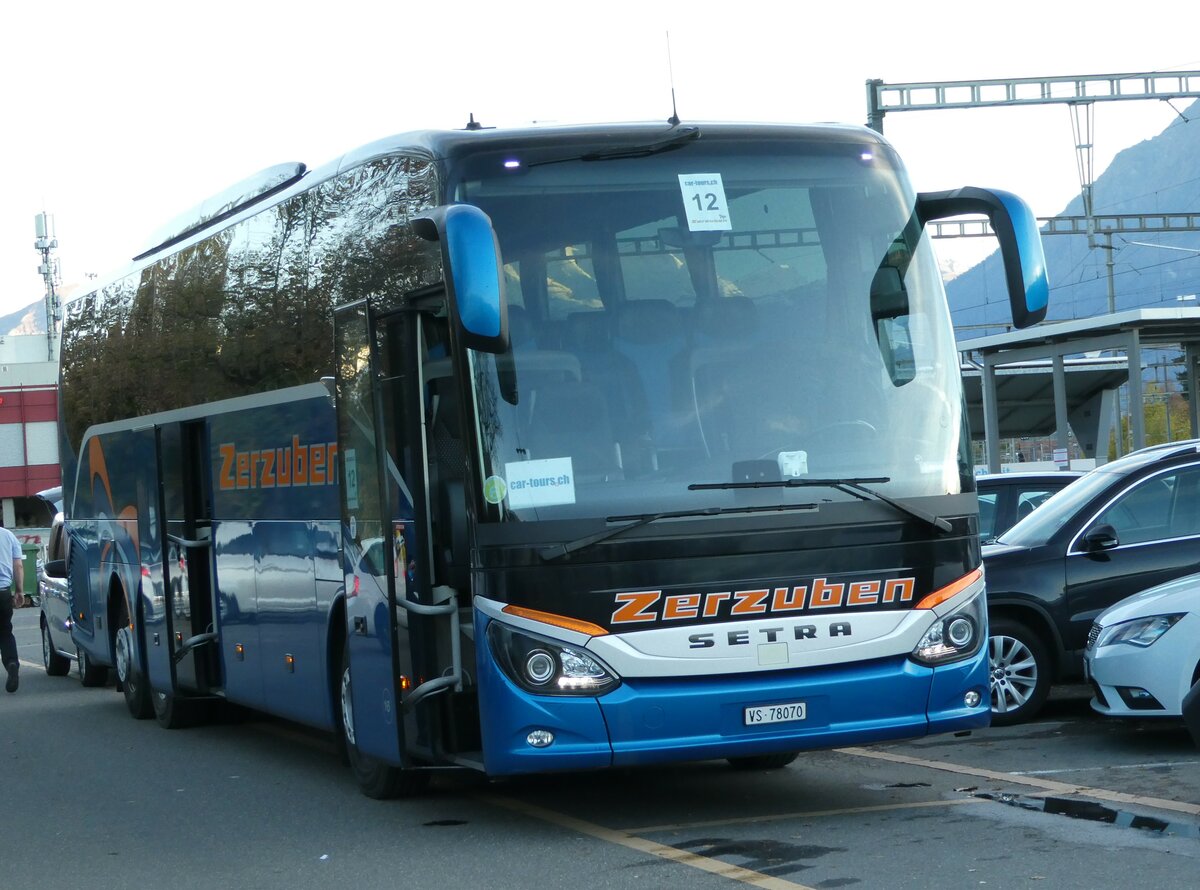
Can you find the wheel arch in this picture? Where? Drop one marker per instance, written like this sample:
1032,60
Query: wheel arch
335,646
117,606
1037,620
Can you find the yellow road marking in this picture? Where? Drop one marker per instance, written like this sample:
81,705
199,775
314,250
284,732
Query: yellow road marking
625,839
1047,786
806,814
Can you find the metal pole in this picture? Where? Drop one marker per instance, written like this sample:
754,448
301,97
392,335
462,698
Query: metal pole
1108,264
874,111
44,243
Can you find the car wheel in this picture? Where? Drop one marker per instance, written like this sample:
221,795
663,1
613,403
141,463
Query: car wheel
90,673
764,761
56,664
375,778
1020,672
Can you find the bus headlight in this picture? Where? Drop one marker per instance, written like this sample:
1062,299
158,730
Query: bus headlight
955,636
545,667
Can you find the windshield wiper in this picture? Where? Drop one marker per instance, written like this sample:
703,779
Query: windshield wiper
675,138
678,137
857,487
557,551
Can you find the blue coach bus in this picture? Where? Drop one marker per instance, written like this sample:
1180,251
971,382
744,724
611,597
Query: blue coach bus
541,449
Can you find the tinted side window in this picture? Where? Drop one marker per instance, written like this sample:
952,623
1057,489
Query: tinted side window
1162,507
987,514
1027,501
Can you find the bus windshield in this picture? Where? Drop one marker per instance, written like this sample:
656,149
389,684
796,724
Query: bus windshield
722,312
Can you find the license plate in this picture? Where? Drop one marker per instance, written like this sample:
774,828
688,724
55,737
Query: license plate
785,713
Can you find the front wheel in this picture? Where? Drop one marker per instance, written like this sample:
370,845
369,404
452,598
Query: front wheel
56,664
1020,672
133,684
175,712
90,673
764,761
375,778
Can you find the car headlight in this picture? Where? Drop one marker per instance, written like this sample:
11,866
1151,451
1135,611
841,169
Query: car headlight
1138,632
545,667
955,636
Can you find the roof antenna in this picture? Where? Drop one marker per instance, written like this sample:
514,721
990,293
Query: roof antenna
473,124
673,120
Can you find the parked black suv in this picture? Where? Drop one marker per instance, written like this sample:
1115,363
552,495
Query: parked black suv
1123,527
1006,498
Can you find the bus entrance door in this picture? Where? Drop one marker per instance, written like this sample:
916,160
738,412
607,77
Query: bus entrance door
373,718
191,665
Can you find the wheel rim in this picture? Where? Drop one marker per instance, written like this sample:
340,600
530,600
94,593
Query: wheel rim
1014,673
82,663
45,647
123,655
347,707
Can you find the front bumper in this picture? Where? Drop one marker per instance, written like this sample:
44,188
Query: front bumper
1114,672
657,720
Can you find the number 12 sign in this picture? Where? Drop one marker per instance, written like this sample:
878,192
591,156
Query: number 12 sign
704,201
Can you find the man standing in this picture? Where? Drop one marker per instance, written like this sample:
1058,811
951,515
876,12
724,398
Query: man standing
12,596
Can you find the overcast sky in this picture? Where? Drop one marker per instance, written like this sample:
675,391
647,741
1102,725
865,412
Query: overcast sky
118,116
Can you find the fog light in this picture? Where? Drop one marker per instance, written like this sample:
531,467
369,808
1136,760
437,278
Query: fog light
972,699
540,738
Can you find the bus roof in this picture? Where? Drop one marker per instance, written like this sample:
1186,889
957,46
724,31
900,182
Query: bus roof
281,181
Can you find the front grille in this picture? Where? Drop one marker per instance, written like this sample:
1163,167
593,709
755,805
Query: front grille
1093,634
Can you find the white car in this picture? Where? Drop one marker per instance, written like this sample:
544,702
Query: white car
1143,654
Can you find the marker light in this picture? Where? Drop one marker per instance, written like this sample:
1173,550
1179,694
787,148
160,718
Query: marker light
512,164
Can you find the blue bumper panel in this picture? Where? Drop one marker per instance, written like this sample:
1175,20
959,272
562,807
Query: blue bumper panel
647,721
947,711
508,714
653,721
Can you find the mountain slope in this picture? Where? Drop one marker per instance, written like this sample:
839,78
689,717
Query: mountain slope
1159,175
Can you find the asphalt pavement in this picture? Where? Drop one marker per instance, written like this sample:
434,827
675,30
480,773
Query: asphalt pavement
96,799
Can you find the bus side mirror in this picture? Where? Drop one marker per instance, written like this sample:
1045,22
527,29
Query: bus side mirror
1020,243
474,273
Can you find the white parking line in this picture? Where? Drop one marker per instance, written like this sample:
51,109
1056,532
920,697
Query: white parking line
1046,785
1089,769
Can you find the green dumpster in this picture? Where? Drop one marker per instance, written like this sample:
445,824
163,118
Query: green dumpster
30,562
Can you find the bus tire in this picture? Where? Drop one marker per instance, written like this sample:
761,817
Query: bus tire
56,664
1020,668
764,761
90,673
173,712
129,676
376,779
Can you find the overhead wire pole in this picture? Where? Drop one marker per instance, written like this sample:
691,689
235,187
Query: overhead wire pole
1080,92
45,241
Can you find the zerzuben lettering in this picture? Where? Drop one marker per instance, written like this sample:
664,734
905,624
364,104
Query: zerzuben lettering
291,466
